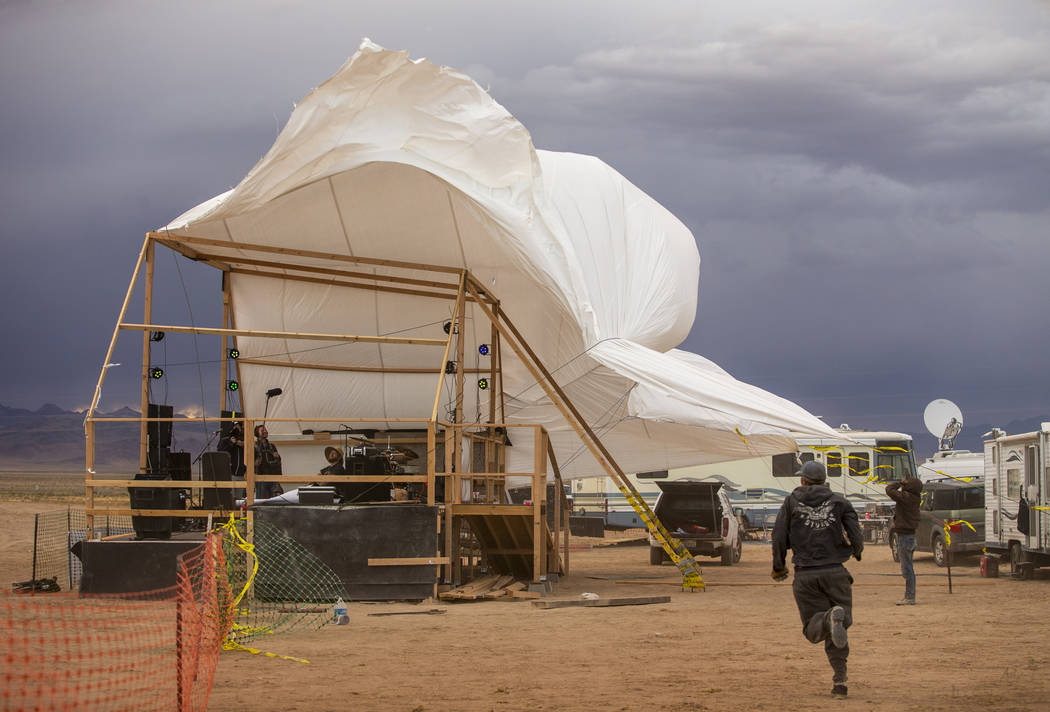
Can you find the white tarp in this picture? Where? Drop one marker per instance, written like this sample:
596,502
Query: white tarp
401,159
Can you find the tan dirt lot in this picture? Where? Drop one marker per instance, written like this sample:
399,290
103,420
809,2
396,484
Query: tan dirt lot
737,646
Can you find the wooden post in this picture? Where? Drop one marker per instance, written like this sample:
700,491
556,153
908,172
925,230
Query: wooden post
147,317
539,547
460,330
89,466
225,342
451,496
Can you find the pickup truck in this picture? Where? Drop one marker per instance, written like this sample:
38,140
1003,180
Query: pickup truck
699,515
950,503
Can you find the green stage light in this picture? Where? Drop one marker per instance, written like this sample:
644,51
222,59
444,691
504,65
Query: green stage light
156,373
483,384
233,386
234,354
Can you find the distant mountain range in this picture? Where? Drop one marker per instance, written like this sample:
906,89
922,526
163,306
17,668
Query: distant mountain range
52,439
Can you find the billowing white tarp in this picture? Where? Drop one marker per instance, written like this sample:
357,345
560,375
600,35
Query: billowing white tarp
401,159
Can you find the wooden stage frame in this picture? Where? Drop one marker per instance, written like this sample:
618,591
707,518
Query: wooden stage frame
546,535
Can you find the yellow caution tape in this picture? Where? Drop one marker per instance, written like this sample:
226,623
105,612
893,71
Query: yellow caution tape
947,532
230,645
741,435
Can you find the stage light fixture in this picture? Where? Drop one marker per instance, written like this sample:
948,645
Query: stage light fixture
483,349
233,386
483,384
156,373
450,367
233,354
156,336
449,328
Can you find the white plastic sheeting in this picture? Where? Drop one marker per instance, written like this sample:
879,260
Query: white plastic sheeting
401,159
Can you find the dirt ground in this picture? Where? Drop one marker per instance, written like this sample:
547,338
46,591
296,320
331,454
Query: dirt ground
737,646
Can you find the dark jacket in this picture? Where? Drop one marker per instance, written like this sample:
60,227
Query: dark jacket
820,527
907,496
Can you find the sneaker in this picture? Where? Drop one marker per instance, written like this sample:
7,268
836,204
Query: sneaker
906,602
836,617
839,692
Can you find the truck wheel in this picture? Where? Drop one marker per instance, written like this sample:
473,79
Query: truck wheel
893,548
940,551
656,556
738,551
727,556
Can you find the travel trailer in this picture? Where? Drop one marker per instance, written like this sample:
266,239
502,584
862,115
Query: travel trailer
859,462
1017,498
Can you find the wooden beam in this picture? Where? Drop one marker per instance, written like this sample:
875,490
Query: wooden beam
353,369
166,237
604,602
504,510
410,561
334,272
184,513
147,316
340,283
287,334
116,329
171,484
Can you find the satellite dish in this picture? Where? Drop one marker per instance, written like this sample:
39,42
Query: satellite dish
944,420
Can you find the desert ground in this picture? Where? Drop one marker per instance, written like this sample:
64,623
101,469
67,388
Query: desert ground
736,646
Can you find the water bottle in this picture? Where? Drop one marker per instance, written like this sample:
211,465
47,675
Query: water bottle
339,614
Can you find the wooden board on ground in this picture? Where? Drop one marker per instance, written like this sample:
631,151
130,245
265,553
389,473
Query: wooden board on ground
604,603
486,587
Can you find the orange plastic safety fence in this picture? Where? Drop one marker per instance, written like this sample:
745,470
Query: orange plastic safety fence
155,650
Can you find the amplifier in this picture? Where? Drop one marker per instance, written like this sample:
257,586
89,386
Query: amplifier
317,495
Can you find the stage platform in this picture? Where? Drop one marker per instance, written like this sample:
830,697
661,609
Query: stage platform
343,538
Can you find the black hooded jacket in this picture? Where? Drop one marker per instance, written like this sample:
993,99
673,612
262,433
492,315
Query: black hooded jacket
820,527
907,495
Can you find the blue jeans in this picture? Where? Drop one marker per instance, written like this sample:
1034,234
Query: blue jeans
906,551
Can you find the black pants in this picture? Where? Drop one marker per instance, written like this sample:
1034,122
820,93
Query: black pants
816,591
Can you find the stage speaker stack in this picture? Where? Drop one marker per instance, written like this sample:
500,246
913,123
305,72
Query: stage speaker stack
153,498
215,467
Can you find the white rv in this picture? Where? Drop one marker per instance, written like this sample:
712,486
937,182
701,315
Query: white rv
1017,498
859,463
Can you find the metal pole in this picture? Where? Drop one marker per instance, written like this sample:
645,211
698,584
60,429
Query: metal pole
36,527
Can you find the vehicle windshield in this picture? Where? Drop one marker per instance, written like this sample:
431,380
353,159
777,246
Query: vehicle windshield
971,498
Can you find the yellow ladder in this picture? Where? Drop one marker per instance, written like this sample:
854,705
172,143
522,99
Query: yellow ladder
692,580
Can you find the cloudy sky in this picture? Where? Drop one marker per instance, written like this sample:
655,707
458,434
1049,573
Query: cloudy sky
868,183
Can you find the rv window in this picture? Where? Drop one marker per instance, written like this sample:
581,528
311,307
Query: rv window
806,457
834,463
655,475
1013,480
859,464
784,465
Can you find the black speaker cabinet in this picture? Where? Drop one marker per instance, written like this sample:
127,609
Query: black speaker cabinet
215,467
152,498
159,433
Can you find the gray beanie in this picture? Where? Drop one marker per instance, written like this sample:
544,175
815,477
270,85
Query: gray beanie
813,471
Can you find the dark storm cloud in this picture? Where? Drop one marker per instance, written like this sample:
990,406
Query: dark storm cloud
866,183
